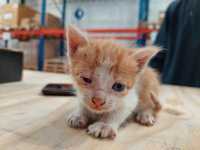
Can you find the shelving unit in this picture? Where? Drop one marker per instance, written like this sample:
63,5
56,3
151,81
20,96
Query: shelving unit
59,33
41,45
139,34
143,18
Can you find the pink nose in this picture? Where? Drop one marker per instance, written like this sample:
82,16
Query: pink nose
97,102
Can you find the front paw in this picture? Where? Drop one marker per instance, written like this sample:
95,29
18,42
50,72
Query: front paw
101,130
77,121
146,118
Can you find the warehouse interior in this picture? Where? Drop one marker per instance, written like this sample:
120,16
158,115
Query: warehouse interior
33,55
59,14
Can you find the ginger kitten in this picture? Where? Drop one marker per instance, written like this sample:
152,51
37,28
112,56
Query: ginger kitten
113,83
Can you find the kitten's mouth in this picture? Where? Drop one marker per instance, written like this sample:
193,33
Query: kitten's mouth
97,108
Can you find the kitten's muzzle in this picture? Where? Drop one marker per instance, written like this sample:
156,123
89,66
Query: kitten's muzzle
97,103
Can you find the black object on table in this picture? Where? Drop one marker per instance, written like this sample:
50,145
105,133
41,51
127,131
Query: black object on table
11,65
59,90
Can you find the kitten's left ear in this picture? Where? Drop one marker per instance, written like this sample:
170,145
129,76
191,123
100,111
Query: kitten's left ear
76,38
143,55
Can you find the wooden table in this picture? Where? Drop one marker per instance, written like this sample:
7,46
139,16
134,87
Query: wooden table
30,121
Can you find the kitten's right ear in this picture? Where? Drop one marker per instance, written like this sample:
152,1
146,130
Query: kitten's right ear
143,55
75,39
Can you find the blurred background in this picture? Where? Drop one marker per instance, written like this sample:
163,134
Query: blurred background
31,32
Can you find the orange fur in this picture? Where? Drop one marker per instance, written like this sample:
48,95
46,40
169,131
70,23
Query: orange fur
149,90
122,65
96,66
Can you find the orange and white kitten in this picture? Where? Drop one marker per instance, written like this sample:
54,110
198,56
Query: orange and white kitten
113,82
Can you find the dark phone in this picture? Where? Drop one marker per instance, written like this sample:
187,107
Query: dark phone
59,90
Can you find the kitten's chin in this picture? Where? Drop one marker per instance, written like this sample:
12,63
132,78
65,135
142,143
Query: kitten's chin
97,111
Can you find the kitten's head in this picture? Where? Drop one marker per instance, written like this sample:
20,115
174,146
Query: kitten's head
103,71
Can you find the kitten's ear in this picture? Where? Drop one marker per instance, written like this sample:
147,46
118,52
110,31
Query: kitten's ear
143,55
75,39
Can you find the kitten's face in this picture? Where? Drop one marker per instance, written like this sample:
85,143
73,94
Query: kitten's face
104,72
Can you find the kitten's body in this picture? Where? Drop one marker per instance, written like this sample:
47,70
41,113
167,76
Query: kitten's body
113,84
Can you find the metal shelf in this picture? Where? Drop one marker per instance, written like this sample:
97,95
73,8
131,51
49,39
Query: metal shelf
59,33
143,18
139,33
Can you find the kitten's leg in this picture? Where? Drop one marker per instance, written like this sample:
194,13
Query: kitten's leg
108,125
78,118
149,105
146,113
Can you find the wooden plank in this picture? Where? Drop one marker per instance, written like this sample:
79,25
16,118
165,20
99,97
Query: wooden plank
31,121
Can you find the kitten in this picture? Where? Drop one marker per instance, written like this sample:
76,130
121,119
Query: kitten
113,83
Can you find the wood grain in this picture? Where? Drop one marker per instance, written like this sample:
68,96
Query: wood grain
30,121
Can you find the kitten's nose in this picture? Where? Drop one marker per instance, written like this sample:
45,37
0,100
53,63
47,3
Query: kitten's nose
98,102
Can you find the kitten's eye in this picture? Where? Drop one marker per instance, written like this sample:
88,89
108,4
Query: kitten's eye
86,80
118,87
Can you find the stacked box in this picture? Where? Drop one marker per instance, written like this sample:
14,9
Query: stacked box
51,21
20,16
11,15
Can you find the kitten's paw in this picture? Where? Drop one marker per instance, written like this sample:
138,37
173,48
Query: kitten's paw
101,130
145,118
77,121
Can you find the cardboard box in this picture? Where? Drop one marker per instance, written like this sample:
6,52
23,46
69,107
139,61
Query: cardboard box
34,22
51,21
28,23
11,15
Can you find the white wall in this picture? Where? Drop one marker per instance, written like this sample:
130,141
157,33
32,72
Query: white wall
107,13
155,7
101,13
104,13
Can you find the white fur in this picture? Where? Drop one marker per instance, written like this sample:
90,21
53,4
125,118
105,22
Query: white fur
102,73
117,109
106,125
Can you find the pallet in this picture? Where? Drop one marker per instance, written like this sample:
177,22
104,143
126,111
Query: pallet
30,67
56,65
